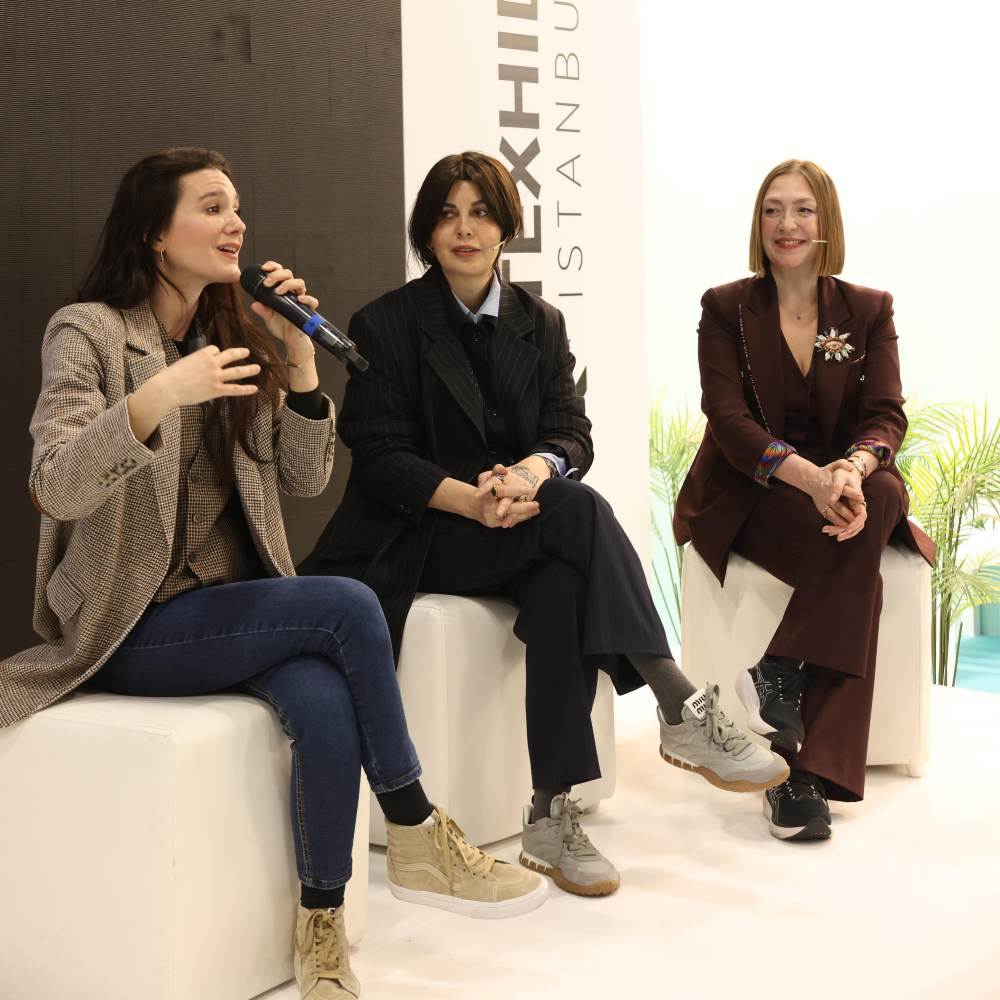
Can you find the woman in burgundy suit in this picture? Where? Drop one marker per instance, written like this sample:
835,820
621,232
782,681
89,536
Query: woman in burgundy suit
801,388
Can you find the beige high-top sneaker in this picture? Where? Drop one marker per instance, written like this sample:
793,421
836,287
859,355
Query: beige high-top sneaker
434,865
322,967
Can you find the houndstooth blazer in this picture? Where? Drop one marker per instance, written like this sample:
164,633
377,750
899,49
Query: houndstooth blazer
109,503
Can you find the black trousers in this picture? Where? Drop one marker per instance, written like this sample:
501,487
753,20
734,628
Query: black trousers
583,604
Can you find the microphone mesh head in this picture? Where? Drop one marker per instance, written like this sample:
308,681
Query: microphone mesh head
251,277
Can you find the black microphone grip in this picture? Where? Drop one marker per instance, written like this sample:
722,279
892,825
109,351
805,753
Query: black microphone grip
310,322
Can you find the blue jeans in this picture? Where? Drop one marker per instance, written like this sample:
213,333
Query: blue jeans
317,649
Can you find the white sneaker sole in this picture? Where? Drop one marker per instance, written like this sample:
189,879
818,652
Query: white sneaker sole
815,828
477,909
747,693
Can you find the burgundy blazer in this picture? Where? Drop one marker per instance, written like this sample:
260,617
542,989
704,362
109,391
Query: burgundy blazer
743,398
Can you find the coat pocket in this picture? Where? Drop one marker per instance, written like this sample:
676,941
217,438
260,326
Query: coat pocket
63,595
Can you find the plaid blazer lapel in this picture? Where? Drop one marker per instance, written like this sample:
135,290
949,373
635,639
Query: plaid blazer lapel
144,359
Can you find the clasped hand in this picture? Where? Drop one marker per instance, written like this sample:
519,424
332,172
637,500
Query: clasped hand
506,496
836,492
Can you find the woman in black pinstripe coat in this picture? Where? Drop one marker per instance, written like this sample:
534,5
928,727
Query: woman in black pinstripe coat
469,441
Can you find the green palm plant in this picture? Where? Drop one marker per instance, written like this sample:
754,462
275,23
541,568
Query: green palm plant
950,462
674,437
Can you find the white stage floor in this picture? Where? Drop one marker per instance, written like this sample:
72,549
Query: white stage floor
902,902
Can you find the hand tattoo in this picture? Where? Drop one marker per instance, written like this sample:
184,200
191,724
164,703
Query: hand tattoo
526,474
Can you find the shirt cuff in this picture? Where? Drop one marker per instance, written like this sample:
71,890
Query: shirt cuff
311,404
774,454
873,446
562,466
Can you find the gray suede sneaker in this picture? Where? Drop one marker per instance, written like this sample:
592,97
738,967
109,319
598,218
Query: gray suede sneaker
706,742
558,847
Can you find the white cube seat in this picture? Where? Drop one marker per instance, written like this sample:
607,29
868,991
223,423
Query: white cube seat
727,629
461,674
146,851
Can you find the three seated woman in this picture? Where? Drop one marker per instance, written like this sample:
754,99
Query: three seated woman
167,424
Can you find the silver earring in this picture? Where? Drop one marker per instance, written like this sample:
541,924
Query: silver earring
163,257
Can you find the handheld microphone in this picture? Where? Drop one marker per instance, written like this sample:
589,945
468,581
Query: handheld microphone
322,331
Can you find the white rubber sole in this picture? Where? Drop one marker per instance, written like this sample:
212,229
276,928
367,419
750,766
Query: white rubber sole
747,694
815,829
477,909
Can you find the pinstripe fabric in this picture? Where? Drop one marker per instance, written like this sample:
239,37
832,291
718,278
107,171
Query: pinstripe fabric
110,503
415,417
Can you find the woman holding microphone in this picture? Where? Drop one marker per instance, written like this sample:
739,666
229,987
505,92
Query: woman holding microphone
801,388
165,427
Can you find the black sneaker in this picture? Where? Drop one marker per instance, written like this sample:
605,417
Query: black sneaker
797,809
772,694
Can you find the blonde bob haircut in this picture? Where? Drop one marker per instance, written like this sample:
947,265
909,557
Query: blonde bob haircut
830,259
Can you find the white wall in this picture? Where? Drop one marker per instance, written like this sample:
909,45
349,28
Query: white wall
452,96
897,101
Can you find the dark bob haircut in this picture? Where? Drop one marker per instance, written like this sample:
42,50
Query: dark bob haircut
495,184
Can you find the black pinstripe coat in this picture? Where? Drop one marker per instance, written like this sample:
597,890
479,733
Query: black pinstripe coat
416,417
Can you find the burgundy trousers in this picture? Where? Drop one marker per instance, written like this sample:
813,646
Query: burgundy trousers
832,619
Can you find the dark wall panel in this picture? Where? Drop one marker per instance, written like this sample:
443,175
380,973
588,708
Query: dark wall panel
306,101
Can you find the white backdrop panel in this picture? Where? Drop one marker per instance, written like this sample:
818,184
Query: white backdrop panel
551,89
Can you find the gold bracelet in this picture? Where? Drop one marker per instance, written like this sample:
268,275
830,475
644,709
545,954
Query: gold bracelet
859,463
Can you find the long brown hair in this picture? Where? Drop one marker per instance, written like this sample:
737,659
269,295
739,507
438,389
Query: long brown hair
124,273
830,259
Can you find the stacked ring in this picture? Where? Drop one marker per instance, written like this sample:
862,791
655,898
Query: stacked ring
493,488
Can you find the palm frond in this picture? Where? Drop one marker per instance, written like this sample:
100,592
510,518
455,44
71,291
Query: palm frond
950,462
674,438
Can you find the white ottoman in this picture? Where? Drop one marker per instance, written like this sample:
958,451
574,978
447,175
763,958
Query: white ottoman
146,852
461,674
726,629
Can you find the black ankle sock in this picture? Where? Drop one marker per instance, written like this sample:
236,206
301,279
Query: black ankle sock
322,899
541,802
406,806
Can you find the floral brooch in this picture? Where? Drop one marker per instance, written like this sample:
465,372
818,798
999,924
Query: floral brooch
834,345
